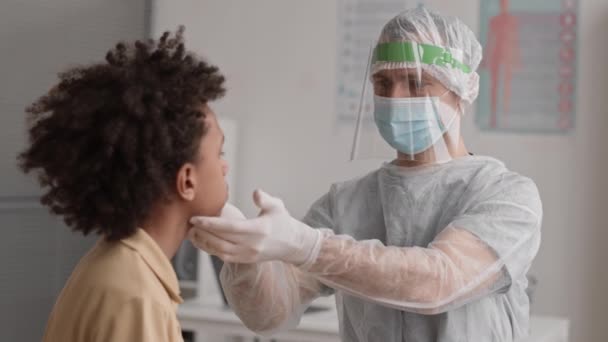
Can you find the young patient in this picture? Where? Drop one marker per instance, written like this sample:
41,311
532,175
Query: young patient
130,150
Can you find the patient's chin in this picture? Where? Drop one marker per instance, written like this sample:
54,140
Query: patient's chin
216,211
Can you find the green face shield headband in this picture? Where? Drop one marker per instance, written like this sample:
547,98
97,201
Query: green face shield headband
417,53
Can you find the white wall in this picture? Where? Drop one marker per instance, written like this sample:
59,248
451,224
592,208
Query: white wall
40,39
279,58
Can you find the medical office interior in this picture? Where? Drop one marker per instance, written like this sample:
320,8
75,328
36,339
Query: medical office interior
292,72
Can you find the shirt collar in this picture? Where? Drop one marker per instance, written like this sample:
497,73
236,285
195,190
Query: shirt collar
158,262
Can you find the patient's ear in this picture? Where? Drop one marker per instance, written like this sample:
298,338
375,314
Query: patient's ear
186,182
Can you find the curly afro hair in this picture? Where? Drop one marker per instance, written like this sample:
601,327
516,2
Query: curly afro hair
107,141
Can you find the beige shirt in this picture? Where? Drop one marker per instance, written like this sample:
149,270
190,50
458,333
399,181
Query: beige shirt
119,291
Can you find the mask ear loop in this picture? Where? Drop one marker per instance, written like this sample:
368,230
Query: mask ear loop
444,128
436,112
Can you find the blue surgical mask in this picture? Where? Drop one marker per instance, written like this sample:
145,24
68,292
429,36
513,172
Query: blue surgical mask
409,125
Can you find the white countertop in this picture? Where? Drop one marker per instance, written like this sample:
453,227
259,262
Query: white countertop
322,326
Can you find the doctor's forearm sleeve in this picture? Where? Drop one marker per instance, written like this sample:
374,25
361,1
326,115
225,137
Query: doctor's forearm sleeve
454,269
270,296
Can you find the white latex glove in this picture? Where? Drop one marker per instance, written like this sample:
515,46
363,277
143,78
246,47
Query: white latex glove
273,235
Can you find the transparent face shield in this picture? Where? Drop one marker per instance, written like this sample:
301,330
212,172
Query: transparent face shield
405,113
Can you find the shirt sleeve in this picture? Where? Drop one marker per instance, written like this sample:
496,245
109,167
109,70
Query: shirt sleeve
506,215
139,320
